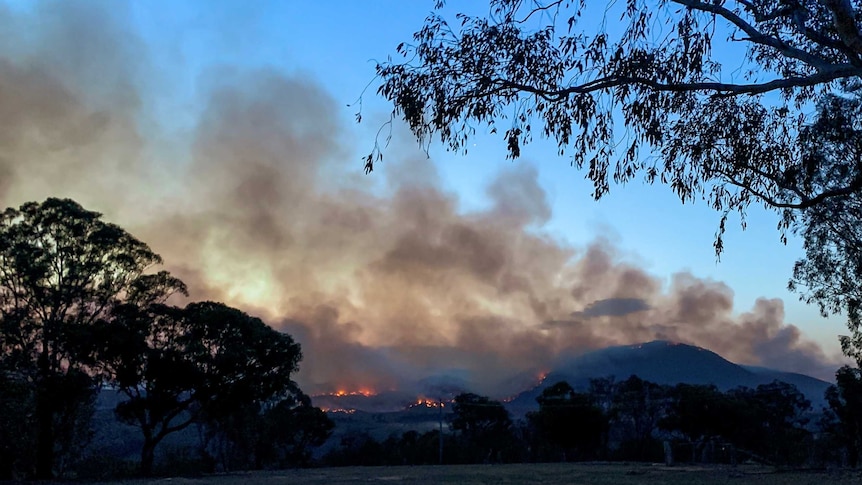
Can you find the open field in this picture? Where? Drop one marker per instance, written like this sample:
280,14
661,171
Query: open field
546,474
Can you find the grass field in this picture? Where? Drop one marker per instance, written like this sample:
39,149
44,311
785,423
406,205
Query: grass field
546,474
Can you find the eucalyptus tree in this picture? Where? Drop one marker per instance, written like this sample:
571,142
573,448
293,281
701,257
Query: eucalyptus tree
63,271
641,88
202,363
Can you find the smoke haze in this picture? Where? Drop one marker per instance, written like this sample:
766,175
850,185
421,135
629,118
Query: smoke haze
384,280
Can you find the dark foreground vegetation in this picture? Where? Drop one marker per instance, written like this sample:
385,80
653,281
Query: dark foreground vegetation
85,316
632,420
83,310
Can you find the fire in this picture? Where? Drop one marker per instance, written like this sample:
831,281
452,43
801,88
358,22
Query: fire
326,409
360,392
428,403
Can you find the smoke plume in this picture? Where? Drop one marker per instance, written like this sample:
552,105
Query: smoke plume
384,279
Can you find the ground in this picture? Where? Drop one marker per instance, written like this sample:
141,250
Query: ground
545,474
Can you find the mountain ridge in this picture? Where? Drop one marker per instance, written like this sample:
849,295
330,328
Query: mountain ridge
660,361
669,363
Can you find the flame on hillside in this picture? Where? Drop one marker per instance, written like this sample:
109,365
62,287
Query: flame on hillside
338,410
342,393
429,403
540,378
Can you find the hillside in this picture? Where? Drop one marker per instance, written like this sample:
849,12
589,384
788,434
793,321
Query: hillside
668,363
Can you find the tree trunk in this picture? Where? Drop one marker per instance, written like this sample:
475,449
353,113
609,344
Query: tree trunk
668,453
148,453
44,435
45,449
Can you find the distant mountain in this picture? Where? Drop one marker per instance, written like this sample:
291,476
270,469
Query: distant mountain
659,361
668,363
810,386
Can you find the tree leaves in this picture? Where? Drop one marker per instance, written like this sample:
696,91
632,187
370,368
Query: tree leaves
80,305
63,272
177,366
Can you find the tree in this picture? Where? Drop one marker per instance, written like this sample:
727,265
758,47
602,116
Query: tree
483,422
63,270
569,420
845,402
637,408
357,448
687,121
698,413
176,365
770,421
16,424
830,275
292,427
273,434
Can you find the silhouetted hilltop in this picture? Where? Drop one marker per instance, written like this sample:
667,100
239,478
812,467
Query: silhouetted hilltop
668,363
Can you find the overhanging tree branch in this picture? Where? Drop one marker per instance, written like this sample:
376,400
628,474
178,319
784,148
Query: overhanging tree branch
718,88
756,36
675,97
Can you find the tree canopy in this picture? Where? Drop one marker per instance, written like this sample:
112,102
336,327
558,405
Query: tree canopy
483,422
723,131
175,364
62,271
81,305
830,275
637,407
845,403
570,420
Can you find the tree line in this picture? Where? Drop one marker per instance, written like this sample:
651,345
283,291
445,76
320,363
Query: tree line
84,309
635,420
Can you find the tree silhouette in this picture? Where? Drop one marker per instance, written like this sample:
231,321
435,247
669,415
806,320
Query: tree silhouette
638,407
699,413
845,401
570,420
830,275
63,270
769,420
177,364
16,421
278,432
292,427
483,422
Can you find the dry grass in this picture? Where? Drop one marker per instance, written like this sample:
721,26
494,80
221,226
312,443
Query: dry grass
545,474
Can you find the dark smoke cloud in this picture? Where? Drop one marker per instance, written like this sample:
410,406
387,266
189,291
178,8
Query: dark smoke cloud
263,206
613,307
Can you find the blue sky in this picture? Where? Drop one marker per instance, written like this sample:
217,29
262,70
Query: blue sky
335,43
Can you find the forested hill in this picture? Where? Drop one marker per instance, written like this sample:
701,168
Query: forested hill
669,363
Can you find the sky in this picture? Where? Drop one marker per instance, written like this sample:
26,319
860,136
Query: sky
223,134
